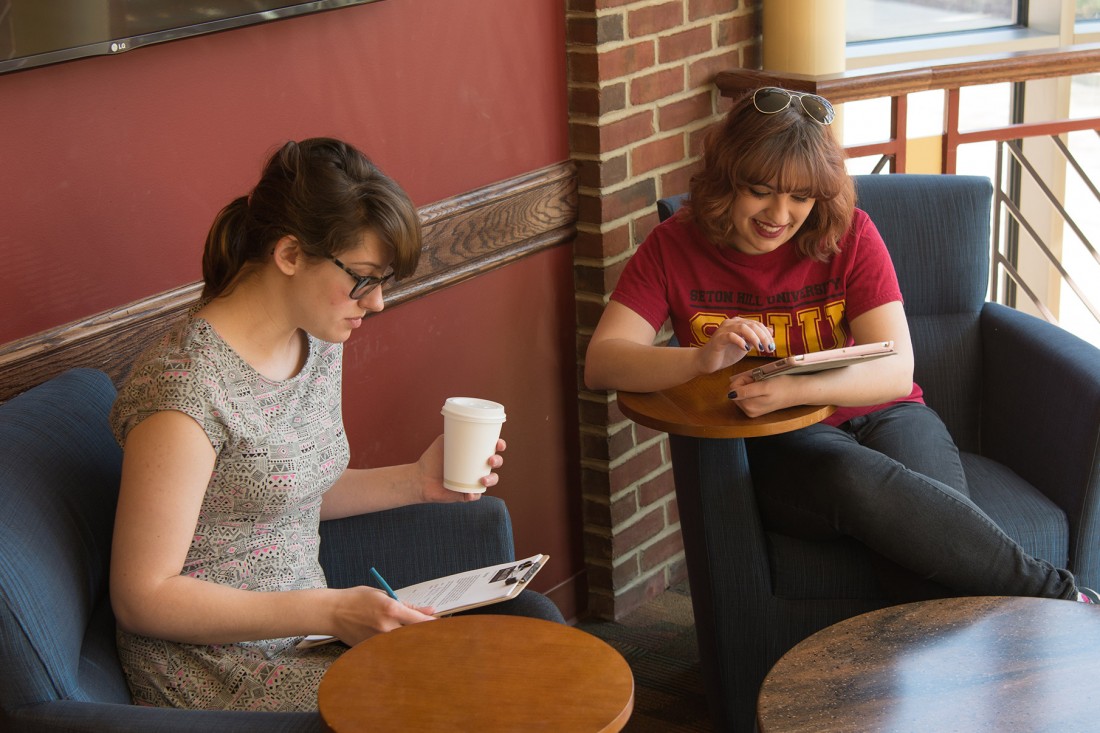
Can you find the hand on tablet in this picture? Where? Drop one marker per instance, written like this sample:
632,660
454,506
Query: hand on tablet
819,361
759,398
769,388
731,342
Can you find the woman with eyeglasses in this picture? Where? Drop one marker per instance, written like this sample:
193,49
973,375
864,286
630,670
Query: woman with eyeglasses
769,256
234,446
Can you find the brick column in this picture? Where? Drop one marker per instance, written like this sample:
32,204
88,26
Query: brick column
641,94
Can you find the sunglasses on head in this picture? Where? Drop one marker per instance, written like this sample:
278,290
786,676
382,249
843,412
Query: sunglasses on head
773,100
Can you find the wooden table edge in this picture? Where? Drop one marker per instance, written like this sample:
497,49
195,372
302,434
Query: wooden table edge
665,409
335,717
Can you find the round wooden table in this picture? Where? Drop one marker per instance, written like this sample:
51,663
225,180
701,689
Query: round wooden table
480,673
700,409
957,664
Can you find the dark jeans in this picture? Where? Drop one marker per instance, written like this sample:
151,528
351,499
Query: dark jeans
893,480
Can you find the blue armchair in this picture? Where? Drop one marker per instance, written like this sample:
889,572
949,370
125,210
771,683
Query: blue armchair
1020,396
59,475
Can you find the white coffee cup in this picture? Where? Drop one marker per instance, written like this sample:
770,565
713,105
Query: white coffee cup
471,427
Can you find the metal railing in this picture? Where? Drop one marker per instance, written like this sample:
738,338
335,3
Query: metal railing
1004,276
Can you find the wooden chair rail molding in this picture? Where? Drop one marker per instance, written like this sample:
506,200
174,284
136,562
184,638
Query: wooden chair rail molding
464,236
891,81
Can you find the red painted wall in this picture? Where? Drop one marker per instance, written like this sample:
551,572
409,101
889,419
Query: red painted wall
112,168
502,337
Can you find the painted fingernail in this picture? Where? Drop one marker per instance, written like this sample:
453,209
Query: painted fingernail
732,395
748,348
771,347
760,347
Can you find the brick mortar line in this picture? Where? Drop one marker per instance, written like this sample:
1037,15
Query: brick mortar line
619,10
657,65
594,396
605,432
632,520
605,465
640,580
636,552
684,62
663,468
693,126
604,262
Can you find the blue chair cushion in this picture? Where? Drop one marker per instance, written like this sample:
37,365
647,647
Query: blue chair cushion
60,466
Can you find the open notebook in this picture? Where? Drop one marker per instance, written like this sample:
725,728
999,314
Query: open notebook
462,591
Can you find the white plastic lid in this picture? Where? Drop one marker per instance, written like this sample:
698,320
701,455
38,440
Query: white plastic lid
472,408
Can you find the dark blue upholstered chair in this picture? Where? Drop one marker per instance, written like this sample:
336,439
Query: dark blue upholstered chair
1020,396
59,475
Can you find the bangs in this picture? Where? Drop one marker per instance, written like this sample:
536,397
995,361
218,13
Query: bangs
802,169
388,212
787,152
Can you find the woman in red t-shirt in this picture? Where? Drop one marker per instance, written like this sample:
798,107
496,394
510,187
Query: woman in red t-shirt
770,256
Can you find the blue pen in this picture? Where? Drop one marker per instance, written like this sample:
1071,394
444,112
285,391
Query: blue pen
385,586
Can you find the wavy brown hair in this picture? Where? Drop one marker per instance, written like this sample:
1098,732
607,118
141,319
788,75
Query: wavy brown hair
787,150
324,193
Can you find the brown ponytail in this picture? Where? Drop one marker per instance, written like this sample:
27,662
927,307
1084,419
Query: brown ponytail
225,252
324,193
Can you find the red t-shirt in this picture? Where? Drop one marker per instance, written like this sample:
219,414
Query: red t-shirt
677,274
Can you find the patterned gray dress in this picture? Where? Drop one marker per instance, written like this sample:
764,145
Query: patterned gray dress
280,446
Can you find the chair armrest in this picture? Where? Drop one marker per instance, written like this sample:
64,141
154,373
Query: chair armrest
417,542
1041,418
72,716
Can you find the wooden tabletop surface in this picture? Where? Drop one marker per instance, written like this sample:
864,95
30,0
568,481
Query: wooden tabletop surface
701,409
480,673
960,664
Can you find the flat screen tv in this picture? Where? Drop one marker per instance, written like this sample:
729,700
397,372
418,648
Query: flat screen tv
38,32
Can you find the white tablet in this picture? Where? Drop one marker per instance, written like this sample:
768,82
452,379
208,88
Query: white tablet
821,360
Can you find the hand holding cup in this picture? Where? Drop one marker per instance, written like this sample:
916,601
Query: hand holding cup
471,428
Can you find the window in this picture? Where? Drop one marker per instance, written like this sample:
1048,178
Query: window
877,20
882,33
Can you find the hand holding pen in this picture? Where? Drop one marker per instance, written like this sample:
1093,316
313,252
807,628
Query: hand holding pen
390,592
385,586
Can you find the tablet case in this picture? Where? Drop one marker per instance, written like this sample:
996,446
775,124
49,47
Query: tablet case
818,361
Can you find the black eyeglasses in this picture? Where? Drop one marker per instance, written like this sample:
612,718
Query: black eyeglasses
363,285
773,100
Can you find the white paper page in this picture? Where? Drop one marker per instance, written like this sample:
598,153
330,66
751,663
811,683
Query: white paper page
460,590
469,588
